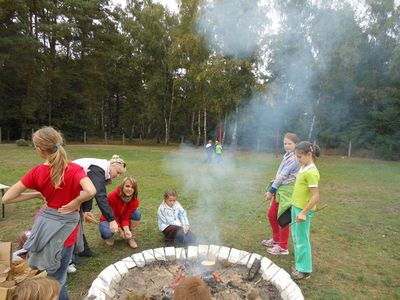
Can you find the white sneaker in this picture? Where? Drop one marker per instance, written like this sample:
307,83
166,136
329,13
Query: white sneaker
71,268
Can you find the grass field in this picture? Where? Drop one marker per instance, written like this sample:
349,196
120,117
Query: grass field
355,240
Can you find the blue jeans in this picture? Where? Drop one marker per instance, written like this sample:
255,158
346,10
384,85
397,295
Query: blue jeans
104,226
61,274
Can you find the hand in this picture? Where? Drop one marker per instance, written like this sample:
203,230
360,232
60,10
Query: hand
70,207
185,228
128,234
301,217
268,196
121,233
113,226
88,217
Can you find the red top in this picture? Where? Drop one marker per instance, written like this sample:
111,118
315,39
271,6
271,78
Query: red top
39,179
122,211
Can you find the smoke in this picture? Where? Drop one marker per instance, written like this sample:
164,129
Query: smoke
298,44
234,27
220,191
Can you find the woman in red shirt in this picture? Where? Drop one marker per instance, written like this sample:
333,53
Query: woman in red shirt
124,203
64,186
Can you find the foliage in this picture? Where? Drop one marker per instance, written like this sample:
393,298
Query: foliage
328,72
22,142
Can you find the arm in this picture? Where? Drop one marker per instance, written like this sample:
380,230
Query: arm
289,166
97,176
301,217
87,193
183,218
16,194
162,219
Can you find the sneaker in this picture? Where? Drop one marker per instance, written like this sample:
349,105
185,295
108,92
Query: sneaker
71,268
297,275
269,243
278,250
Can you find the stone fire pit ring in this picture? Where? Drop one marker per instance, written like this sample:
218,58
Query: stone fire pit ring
102,287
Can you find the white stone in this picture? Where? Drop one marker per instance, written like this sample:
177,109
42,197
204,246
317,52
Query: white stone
128,261
105,288
292,288
138,258
203,251
223,253
148,256
213,251
180,253
159,254
121,268
110,275
95,294
252,259
170,253
192,252
297,295
270,272
281,280
243,258
234,256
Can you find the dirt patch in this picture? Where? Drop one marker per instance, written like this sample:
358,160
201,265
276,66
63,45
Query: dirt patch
156,281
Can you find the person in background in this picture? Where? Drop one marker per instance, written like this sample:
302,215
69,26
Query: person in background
192,288
281,194
173,221
100,172
304,199
64,186
218,151
124,203
42,288
210,151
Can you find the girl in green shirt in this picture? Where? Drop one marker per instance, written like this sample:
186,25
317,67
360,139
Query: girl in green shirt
304,199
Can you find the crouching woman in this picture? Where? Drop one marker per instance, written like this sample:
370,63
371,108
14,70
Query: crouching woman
124,203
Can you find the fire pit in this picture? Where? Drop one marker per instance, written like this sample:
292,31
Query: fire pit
230,274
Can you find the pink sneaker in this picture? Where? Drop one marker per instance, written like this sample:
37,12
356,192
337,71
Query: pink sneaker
269,243
278,250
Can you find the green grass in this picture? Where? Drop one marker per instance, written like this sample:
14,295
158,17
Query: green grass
356,240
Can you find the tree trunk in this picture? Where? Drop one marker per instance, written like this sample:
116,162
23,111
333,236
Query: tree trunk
205,126
198,128
224,132
234,133
166,131
192,124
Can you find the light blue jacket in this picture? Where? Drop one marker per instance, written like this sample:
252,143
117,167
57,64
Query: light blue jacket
175,215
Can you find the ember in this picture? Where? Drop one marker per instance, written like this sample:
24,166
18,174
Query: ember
227,281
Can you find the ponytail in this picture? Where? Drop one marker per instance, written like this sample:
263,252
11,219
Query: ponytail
307,147
51,142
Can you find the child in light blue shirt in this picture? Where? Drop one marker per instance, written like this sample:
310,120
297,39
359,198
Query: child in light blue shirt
173,221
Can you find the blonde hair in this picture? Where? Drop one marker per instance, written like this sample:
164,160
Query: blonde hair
43,288
192,288
293,137
116,160
51,142
135,187
170,192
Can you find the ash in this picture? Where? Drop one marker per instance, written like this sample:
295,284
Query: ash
226,281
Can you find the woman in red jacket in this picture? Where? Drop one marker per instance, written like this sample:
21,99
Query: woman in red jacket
124,203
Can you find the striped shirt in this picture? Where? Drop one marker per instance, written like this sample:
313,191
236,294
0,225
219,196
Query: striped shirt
287,170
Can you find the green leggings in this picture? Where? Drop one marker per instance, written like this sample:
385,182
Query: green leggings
301,241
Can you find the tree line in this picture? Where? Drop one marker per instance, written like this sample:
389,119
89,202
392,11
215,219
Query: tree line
328,72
